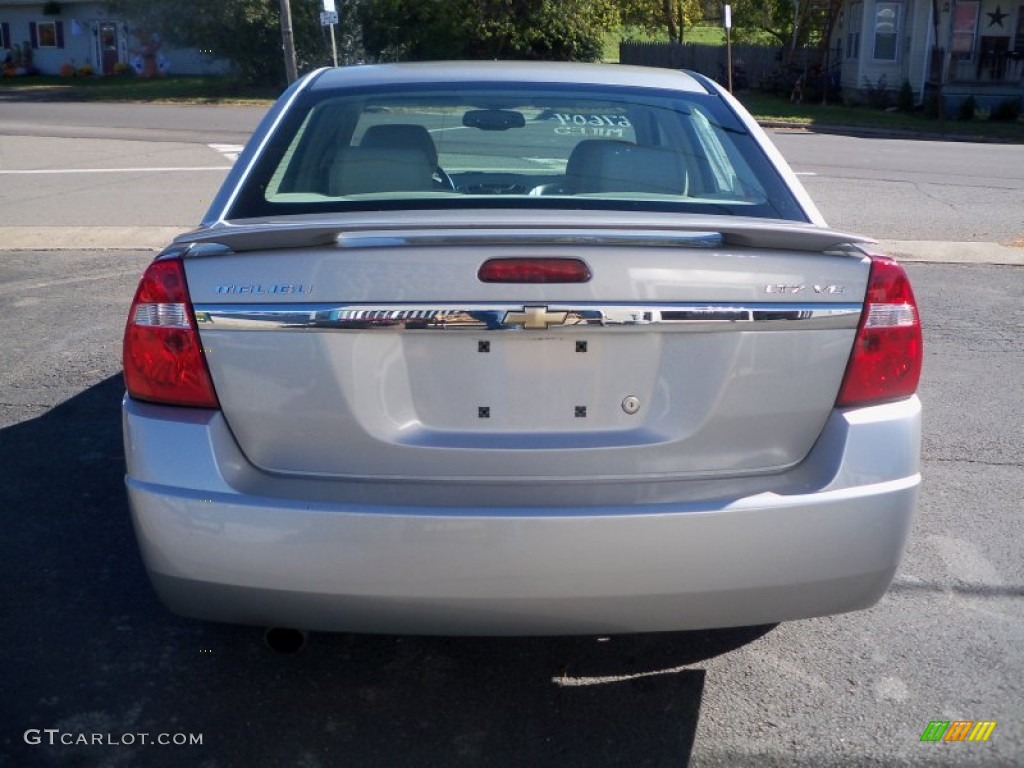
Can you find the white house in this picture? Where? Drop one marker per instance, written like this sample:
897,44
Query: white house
971,47
79,32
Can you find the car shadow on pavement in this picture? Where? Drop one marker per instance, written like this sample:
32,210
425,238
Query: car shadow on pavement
89,650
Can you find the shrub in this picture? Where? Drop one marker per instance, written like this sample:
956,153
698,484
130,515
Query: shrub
66,70
966,109
905,97
85,70
1007,109
877,93
121,68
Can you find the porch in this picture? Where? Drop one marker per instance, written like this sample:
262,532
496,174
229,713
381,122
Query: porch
992,73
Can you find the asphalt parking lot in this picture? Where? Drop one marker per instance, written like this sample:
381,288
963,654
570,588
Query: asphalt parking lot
90,651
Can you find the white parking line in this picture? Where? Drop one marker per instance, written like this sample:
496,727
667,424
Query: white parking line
230,151
805,173
565,681
547,162
53,171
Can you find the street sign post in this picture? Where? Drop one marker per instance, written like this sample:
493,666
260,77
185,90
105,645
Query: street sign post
727,21
328,18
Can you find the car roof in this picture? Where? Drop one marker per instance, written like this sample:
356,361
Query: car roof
505,72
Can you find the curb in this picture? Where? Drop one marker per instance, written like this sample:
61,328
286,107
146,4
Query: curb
22,238
886,133
947,252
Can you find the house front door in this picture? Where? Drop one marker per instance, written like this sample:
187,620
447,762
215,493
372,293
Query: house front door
109,48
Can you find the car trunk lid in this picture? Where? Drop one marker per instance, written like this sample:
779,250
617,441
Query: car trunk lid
375,351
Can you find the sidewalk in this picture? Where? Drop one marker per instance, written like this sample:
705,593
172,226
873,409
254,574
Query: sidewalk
39,238
944,252
155,238
884,133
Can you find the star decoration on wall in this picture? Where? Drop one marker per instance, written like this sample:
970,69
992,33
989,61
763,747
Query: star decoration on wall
996,17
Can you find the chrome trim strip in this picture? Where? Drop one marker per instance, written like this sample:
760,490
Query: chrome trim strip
520,317
575,237
309,78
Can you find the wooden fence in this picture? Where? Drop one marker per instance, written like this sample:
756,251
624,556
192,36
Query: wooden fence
762,64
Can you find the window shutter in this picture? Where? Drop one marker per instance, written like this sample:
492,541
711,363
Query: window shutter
5,35
32,34
59,26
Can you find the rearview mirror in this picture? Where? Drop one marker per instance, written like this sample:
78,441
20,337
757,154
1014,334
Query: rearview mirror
493,119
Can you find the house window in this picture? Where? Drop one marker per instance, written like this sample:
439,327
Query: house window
965,27
46,34
887,30
853,33
47,31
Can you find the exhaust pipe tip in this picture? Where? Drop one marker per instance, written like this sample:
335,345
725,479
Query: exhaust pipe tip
285,640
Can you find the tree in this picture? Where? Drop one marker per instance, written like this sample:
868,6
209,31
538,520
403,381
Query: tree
410,29
569,30
811,19
659,17
753,18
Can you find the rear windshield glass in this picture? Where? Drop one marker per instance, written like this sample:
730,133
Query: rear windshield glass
543,146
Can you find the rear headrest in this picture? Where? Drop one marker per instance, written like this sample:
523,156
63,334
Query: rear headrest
363,170
606,165
401,136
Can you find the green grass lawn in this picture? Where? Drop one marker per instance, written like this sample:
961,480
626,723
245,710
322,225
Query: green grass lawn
195,90
704,35
775,108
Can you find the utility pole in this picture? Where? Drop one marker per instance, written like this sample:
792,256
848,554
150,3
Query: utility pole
291,71
796,30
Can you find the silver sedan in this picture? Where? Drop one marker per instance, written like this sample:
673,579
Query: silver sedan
518,348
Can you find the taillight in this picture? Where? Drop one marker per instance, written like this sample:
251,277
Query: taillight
887,354
163,359
533,270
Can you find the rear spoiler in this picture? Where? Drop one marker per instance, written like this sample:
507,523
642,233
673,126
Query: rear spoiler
404,229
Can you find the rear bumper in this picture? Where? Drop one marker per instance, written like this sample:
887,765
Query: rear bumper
827,540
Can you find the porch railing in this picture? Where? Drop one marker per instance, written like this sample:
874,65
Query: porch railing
987,65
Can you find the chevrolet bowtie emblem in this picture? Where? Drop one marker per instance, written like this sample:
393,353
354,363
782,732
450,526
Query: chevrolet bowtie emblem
535,318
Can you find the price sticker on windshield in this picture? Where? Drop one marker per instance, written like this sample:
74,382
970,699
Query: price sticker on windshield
591,124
